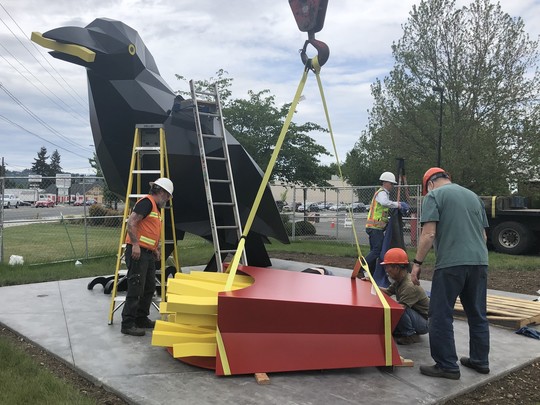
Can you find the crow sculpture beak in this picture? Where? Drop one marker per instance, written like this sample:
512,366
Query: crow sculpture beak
78,51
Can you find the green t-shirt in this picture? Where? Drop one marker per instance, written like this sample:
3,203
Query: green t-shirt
461,219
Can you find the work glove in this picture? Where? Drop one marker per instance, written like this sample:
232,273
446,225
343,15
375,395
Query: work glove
404,208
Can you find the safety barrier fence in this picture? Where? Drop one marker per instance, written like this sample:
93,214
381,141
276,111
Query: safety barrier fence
328,213
69,231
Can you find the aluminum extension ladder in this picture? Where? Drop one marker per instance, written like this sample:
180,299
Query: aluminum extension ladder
216,167
148,162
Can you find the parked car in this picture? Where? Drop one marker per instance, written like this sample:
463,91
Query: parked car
340,207
324,206
280,204
90,201
44,204
10,200
311,207
359,207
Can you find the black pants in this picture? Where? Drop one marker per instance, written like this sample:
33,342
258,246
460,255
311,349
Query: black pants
141,281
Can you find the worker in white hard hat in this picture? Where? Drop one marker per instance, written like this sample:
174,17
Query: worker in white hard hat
378,215
142,250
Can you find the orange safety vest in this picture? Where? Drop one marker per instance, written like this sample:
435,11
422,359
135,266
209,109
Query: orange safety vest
149,230
378,215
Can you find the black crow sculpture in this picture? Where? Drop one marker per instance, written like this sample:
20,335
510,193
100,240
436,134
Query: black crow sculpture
126,89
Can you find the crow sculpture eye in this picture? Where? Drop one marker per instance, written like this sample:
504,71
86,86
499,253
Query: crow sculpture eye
131,49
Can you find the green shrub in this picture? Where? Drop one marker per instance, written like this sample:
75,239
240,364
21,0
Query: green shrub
302,228
98,214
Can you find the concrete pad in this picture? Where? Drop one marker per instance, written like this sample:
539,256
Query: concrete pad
70,321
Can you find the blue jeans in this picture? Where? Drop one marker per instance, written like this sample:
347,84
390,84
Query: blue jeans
470,284
376,237
410,323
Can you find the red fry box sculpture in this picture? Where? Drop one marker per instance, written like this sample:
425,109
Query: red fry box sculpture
277,320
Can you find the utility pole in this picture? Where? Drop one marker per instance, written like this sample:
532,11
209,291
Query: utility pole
2,188
439,90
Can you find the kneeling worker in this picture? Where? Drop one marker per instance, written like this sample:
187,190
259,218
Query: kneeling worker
413,298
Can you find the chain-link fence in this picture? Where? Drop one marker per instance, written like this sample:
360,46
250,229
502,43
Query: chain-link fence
70,219
329,213
60,218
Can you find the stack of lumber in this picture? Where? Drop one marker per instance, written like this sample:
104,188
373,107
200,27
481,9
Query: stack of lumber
508,312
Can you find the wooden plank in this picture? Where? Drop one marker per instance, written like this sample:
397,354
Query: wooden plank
507,311
405,362
262,379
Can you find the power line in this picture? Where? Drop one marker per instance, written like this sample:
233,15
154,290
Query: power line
84,102
38,89
40,137
38,119
39,81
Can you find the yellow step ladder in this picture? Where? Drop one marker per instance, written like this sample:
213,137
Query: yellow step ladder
149,161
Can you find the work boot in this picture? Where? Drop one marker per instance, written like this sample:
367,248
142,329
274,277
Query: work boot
436,371
145,323
407,340
132,330
467,363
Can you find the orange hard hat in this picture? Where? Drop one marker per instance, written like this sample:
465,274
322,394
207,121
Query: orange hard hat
427,175
395,256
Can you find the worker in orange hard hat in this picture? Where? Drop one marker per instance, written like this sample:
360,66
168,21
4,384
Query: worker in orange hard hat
454,220
413,298
431,175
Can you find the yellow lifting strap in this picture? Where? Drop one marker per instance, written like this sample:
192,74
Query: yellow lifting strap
266,178
361,262
233,267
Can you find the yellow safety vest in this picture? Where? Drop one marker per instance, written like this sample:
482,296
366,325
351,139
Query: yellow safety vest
378,214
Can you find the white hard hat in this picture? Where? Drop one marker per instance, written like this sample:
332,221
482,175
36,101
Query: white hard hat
388,176
164,183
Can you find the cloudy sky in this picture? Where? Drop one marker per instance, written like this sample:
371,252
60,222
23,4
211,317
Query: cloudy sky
43,101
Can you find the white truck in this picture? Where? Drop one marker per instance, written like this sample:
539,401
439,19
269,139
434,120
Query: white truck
10,201
27,196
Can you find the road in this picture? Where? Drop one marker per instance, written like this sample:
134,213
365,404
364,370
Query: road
25,213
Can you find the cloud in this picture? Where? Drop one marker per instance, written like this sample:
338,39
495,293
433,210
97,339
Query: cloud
256,41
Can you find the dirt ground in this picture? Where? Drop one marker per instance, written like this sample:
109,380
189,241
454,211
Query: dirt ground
520,387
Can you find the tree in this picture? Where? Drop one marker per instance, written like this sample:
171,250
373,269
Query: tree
109,197
256,123
54,166
223,82
40,165
94,163
486,65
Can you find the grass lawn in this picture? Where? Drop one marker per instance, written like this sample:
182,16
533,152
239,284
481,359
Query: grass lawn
24,381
